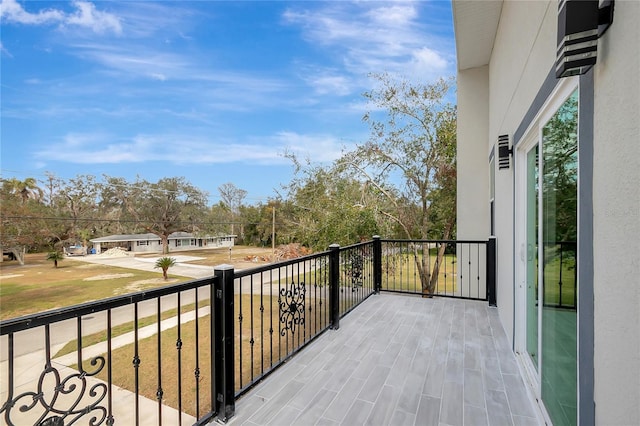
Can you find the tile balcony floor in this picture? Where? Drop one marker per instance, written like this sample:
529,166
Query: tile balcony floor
399,360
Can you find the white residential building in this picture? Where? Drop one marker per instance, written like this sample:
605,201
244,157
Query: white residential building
149,243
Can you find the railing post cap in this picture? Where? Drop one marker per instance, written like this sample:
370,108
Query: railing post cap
376,237
334,246
223,267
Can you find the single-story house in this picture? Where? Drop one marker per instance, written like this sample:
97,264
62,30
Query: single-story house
145,243
548,156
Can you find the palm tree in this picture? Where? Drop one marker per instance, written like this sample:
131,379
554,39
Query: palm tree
55,256
165,263
26,189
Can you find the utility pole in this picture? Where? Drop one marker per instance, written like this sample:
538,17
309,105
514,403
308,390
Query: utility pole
273,234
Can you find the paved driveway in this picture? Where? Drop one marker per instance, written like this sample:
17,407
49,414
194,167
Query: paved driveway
148,264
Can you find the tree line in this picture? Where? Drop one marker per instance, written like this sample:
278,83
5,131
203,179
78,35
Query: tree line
399,183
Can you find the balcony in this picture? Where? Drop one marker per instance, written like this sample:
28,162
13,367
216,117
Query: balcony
344,336
399,360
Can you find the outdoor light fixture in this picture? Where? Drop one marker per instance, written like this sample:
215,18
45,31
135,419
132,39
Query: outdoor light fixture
504,152
580,23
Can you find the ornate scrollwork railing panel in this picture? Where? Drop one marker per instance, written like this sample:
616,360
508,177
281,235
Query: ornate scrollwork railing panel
356,269
291,302
60,401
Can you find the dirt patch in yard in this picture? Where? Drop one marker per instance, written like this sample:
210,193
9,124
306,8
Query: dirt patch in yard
107,277
87,266
144,284
235,257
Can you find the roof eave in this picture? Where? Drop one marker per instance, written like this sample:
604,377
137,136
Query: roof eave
475,24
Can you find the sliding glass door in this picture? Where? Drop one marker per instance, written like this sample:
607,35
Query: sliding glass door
559,253
549,211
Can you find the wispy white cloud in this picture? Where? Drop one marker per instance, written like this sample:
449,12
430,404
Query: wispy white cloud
158,76
327,80
426,60
88,16
101,149
375,37
134,70
135,61
4,51
317,147
395,15
95,148
12,11
169,21
85,15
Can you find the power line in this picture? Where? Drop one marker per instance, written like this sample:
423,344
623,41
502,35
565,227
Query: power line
88,219
43,177
71,219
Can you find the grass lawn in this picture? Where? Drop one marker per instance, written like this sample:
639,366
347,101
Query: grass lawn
257,350
554,274
123,370
37,286
118,330
400,273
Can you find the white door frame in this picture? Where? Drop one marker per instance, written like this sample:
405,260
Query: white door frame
532,372
532,136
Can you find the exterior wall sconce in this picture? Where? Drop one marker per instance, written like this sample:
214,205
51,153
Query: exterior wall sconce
504,152
580,24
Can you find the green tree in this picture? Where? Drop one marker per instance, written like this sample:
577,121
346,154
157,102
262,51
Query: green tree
326,207
251,216
560,170
56,257
21,223
410,159
26,189
75,202
217,220
258,224
165,263
162,208
232,197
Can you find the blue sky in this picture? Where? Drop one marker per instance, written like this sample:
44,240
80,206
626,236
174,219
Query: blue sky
215,91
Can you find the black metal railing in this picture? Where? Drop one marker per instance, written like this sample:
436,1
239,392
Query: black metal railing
356,280
280,308
445,268
560,286
152,351
140,336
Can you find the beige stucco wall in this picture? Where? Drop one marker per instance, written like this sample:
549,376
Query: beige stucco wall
473,154
517,72
616,219
523,53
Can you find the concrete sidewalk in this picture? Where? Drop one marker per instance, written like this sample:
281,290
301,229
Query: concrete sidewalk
148,264
128,338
